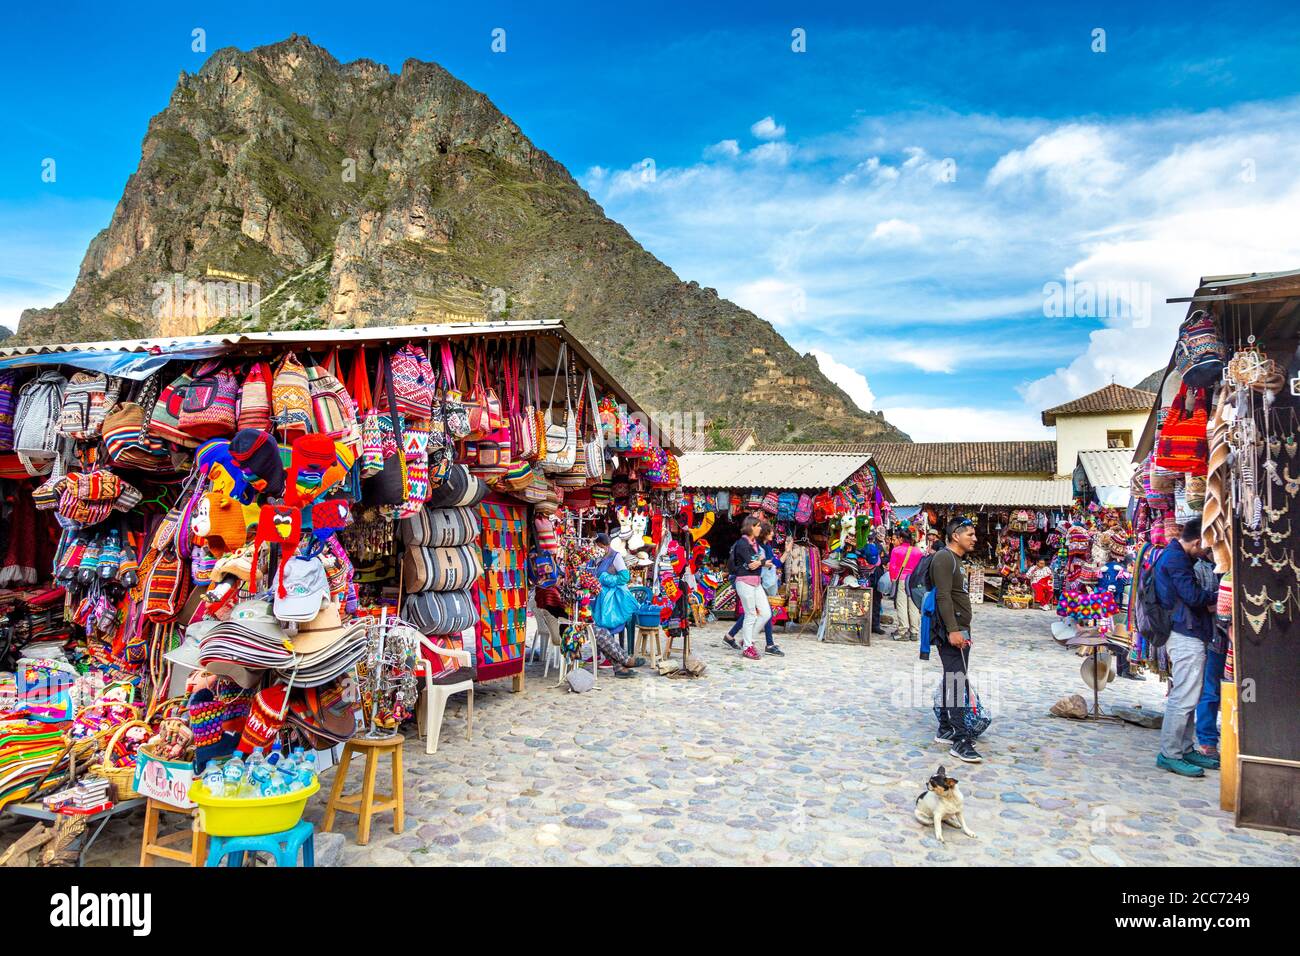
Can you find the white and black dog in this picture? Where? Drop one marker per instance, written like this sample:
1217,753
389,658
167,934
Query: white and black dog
941,803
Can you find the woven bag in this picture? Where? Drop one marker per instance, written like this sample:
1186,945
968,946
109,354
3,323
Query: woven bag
1199,353
208,407
291,397
1183,445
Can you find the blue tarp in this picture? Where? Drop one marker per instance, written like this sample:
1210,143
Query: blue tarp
132,365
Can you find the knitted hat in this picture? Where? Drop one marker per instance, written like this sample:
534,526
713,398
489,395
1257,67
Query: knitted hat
258,456
330,516
265,719
313,469
278,524
227,530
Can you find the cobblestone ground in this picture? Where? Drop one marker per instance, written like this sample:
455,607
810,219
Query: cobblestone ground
813,758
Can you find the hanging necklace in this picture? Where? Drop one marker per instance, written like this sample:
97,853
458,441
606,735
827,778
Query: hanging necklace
1256,621
1292,483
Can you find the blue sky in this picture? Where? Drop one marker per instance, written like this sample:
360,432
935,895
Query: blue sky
895,199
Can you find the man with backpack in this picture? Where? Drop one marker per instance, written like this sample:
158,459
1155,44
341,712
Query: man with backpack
1190,623
949,622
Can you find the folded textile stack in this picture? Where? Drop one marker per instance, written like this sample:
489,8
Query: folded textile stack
27,750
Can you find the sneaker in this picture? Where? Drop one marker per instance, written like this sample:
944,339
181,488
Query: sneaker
1204,761
1183,768
773,649
750,653
965,751
945,737
1210,750
605,663
731,642
624,673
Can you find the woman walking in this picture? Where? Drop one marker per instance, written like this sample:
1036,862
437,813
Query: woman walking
746,563
902,562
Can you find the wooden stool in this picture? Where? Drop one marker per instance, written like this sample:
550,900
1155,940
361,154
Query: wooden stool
367,803
687,645
650,640
152,845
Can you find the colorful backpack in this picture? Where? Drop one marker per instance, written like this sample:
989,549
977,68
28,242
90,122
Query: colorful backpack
1182,445
543,570
803,511
165,416
413,382
291,396
334,413
208,407
771,503
86,400
8,382
255,399
786,505
1199,353
36,433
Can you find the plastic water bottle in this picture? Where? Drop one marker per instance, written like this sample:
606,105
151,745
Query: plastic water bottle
307,769
274,757
287,766
214,779
258,775
255,758
233,772
276,785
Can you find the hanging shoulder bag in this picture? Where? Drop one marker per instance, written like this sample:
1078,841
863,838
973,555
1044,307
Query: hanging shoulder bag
561,439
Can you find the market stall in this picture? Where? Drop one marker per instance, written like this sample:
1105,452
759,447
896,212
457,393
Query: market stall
823,507
228,554
1221,443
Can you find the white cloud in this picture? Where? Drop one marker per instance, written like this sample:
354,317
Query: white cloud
767,128
1155,200
850,379
777,153
896,231
1073,160
726,149
782,303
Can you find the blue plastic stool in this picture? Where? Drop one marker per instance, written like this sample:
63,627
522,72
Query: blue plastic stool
284,846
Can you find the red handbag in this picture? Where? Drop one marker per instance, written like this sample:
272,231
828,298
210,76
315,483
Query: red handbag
1183,445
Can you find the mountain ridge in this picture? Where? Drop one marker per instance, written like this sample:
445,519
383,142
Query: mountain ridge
351,196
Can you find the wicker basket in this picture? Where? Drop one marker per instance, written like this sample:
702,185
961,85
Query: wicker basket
86,747
121,778
1018,601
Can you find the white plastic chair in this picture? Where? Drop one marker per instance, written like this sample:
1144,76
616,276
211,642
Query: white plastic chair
433,702
547,643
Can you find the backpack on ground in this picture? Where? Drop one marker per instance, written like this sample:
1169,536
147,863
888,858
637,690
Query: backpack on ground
1154,620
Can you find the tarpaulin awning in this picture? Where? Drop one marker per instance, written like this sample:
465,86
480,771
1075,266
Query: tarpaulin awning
130,365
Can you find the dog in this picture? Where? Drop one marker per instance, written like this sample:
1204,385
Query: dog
942,803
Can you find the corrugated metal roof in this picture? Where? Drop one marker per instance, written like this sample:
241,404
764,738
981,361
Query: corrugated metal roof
996,492
1107,467
946,458
767,469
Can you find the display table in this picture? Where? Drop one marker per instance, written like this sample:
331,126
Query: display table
95,822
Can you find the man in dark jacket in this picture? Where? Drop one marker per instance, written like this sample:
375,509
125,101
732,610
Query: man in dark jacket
952,617
1193,627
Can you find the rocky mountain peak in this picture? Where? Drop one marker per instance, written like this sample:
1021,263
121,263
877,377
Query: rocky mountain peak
346,195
